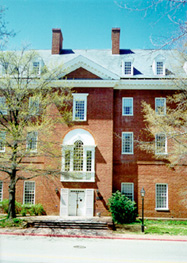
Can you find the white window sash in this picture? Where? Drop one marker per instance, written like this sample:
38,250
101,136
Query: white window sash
157,105
158,140
80,97
124,102
124,142
2,140
164,197
31,136
132,189
31,192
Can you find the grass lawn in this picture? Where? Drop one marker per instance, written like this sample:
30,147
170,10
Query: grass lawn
160,227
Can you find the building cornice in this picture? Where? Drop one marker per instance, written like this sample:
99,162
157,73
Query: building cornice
137,84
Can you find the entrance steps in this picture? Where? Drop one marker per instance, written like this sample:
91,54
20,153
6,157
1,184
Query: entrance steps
71,223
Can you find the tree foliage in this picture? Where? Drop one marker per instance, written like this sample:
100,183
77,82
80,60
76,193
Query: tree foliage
173,124
30,109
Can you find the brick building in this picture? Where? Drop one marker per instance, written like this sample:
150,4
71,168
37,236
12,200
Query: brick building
108,88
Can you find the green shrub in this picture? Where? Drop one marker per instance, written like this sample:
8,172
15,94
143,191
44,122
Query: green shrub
24,209
4,204
36,210
123,210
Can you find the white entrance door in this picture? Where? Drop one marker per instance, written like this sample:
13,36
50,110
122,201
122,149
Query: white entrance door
77,203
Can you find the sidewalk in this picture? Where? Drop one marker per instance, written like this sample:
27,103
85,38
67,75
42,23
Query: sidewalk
85,233
82,233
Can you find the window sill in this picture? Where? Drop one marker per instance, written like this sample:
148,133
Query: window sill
162,209
78,177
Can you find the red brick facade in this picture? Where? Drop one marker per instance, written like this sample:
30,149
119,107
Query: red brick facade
105,123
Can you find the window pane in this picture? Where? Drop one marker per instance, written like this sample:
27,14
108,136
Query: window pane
36,68
33,105
159,68
79,109
127,106
128,190
127,68
89,161
29,193
127,143
161,196
67,160
160,106
32,141
1,191
160,143
2,141
78,156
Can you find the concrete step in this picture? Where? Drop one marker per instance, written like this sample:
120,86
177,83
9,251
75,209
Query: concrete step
69,224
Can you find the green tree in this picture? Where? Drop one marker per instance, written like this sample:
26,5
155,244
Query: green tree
30,108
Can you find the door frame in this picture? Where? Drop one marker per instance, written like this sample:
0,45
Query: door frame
89,201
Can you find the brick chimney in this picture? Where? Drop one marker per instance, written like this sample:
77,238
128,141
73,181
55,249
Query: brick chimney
115,40
56,41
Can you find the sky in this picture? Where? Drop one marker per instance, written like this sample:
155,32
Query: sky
87,24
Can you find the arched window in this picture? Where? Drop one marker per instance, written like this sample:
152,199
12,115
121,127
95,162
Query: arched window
78,156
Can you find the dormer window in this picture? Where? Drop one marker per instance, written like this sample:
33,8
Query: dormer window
127,67
36,67
159,66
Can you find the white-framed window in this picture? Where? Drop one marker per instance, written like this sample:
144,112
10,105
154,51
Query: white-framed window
160,106
32,141
1,191
29,193
36,67
161,196
78,156
128,190
159,66
34,105
80,106
127,143
127,67
2,141
160,143
3,107
127,106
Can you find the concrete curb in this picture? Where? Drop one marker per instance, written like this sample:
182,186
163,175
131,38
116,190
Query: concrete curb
96,237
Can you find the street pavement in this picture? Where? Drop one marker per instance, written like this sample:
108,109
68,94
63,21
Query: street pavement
42,249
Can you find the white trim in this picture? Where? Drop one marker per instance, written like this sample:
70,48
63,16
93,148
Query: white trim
88,145
79,97
132,145
123,101
32,150
128,183
4,140
156,60
160,98
162,208
89,65
24,191
165,148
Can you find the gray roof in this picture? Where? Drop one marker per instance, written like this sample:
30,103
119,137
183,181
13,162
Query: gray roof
142,61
